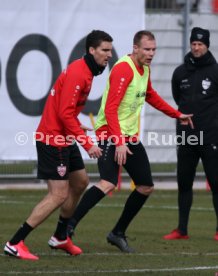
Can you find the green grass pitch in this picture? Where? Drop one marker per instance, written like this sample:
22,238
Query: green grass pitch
154,256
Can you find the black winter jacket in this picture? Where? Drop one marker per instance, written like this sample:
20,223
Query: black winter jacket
195,91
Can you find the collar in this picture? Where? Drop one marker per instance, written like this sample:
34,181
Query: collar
95,68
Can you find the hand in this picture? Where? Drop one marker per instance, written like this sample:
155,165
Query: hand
85,128
95,152
185,119
121,154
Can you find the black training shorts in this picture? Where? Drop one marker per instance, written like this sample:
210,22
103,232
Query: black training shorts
137,164
57,162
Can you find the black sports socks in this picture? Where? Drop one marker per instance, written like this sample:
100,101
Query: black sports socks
21,234
89,200
61,230
133,204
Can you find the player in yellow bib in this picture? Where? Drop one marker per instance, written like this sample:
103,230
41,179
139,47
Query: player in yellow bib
128,87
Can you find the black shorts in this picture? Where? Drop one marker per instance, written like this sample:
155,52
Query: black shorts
57,162
137,164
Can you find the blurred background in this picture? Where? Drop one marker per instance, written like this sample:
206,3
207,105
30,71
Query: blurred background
39,39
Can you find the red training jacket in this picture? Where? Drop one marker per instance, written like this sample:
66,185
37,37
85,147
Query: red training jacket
59,124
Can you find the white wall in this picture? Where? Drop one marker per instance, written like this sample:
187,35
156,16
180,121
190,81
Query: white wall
168,32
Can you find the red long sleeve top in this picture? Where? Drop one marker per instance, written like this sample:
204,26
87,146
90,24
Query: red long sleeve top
120,71
59,124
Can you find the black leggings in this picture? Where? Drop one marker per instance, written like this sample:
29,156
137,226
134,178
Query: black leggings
137,164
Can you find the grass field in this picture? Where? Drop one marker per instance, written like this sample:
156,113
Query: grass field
29,167
154,256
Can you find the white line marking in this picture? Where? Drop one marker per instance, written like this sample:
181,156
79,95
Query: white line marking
12,202
154,207
55,254
121,206
173,269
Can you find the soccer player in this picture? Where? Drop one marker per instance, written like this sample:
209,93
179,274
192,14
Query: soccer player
195,89
59,158
128,87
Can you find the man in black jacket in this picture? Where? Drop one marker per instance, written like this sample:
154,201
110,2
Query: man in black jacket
195,90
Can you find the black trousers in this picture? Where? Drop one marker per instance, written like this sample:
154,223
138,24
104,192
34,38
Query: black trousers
188,158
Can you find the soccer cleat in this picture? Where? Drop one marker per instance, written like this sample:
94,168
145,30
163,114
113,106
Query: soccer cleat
120,242
175,235
66,245
19,251
216,236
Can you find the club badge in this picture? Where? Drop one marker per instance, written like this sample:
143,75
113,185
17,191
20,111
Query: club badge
206,84
199,36
61,170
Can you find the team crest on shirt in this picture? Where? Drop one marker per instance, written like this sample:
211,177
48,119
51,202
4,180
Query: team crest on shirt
61,170
206,83
52,91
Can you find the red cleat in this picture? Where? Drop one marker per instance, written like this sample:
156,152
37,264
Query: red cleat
176,235
66,245
19,251
216,236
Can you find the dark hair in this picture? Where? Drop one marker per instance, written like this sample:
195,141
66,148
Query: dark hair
95,38
138,36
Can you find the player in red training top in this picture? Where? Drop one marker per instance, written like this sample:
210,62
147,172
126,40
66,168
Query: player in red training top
59,158
127,89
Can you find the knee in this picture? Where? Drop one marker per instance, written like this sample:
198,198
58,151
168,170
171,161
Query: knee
60,198
105,186
145,190
184,188
184,184
80,186
58,191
